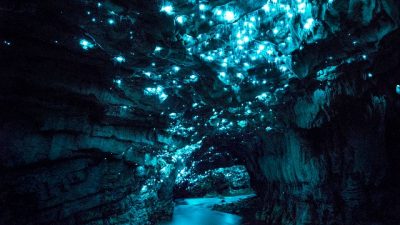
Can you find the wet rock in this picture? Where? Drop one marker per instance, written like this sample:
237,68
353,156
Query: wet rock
332,164
223,181
71,142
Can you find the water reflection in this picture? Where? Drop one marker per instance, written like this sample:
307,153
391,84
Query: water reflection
197,211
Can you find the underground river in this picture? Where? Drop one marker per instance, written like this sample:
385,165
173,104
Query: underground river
197,211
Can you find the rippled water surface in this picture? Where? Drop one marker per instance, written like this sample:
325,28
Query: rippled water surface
197,211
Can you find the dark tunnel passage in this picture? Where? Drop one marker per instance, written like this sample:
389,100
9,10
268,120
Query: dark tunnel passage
132,112
217,168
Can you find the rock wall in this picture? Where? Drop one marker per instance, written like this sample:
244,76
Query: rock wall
334,157
74,149
331,153
222,181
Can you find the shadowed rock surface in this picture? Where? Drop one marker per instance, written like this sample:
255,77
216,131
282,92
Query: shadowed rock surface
222,181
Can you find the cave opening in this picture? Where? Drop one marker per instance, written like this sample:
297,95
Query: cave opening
213,184
213,196
225,181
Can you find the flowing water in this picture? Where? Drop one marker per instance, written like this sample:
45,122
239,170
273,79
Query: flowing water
197,211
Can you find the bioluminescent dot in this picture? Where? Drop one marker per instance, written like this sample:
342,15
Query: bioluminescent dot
119,59
162,97
229,16
202,7
218,12
301,8
85,44
118,82
180,19
309,23
176,68
157,49
111,21
266,8
168,9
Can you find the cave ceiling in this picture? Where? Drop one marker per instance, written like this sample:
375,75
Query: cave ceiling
218,67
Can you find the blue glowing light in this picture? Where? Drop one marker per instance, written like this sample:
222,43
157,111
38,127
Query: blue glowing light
162,97
233,42
240,76
118,82
157,49
180,19
202,7
176,68
242,123
308,25
266,8
85,44
261,48
264,97
222,76
398,89
193,78
168,9
119,59
111,21
301,8
172,115
229,16
159,91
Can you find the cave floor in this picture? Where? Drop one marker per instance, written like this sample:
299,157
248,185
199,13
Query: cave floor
197,211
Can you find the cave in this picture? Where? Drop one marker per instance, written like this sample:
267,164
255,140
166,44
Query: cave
200,112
